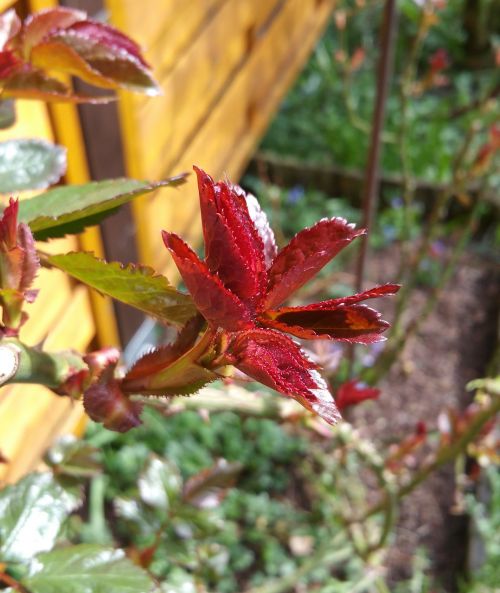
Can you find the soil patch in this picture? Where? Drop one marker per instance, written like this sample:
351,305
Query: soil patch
453,347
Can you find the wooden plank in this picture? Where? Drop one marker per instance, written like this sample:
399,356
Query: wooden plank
30,416
177,21
31,122
175,24
190,89
5,4
67,131
163,29
39,414
48,307
247,104
266,106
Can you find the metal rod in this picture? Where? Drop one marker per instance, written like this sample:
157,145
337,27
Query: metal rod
371,184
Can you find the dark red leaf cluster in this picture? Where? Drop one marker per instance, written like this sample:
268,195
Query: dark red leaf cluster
104,400
354,392
66,40
243,280
18,267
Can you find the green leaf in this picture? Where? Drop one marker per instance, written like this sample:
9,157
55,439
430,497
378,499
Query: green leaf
208,488
33,83
74,458
137,286
31,514
86,568
30,164
7,114
490,385
69,209
159,483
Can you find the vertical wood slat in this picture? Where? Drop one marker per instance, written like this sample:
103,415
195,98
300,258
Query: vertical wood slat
67,131
37,415
31,416
192,87
6,4
249,88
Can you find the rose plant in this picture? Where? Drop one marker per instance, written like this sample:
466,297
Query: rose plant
232,321
231,317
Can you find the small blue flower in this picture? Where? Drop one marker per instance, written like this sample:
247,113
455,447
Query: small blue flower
295,194
397,202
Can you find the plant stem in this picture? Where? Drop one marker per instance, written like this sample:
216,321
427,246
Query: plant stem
322,557
231,399
11,582
34,366
444,456
372,171
97,521
401,335
408,186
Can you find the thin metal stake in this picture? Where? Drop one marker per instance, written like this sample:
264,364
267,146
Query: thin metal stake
372,177
371,184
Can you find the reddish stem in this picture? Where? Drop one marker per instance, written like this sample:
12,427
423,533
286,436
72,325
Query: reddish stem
370,193
11,582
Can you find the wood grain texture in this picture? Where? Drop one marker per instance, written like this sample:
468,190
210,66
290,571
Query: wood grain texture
224,66
5,4
31,416
218,99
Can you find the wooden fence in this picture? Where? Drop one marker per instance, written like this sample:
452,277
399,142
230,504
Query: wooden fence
223,72
224,66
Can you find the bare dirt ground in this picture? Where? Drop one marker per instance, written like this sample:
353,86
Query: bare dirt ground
453,347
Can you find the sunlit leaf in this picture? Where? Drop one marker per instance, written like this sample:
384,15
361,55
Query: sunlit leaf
263,228
37,26
30,164
351,323
216,303
276,361
159,358
160,483
31,514
71,208
306,254
56,54
137,286
181,377
98,54
86,568
233,247
10,25
172,369
32,83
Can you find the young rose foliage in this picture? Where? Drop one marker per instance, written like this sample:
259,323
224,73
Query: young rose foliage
66,40
18,267
241,284
352,393
239,289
